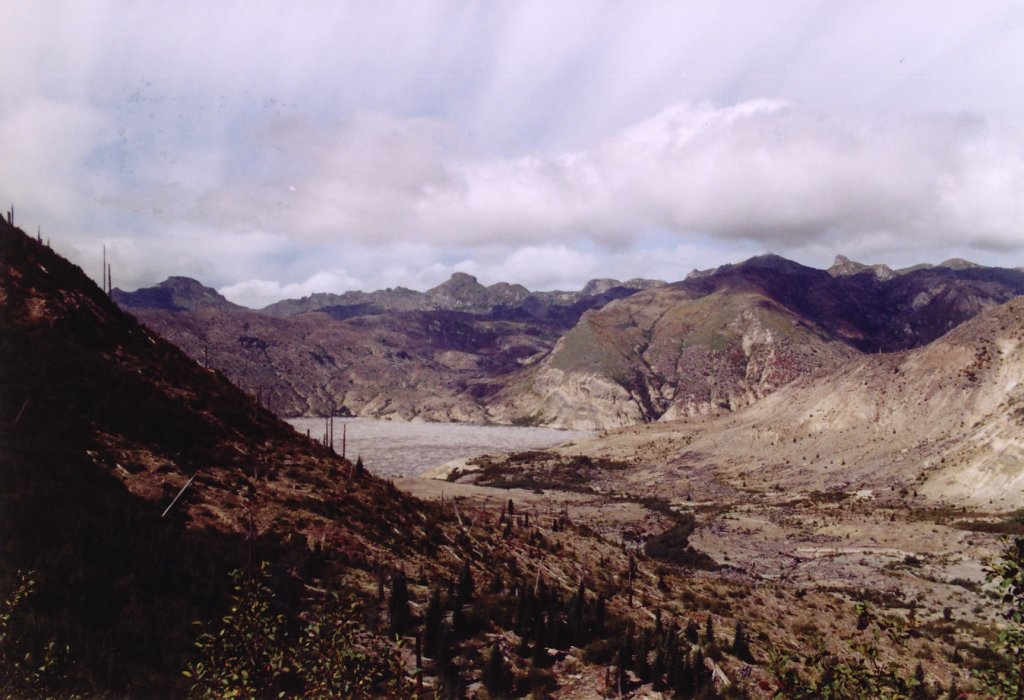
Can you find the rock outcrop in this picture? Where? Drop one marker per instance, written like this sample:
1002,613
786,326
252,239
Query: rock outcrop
844,267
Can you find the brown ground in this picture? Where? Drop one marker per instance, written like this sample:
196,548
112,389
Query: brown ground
794,566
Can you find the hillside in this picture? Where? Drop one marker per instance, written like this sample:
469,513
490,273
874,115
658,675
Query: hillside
102,424
720,341
944,422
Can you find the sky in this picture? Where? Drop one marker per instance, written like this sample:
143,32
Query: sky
276,149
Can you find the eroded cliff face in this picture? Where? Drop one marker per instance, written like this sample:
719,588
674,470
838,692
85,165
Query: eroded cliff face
667,355
569,400
946,420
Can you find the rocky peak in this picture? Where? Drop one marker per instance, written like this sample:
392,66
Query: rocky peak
462,292
959,264
458,292
844,267
173,294
642,283
506,293
768,261
599,286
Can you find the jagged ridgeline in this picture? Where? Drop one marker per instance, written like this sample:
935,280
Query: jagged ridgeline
609,355
437,355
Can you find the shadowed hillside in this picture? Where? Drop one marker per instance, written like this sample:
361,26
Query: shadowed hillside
101,424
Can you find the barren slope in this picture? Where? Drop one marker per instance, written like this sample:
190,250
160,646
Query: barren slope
102,424
945,420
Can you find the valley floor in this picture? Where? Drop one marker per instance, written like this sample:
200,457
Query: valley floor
916,563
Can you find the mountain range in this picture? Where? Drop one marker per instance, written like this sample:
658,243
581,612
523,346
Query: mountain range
611,354
435,355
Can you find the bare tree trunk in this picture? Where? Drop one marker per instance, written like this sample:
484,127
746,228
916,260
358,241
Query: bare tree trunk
187,484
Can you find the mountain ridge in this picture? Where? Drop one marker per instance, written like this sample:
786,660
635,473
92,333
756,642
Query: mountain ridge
460,292
725,339
464,351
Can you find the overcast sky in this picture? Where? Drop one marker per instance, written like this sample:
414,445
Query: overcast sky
274,149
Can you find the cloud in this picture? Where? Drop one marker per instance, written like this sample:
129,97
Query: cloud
46,144
259,293
399,143
767,170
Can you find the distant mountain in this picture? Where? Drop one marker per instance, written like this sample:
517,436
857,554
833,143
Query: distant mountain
723,340
610,354
435,355
173,294
461,292
699,346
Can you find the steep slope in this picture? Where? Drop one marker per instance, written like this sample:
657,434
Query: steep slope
670,353
435,365
102,423
723,340
946,420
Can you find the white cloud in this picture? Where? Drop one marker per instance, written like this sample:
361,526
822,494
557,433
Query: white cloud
46,144
259,293
767,170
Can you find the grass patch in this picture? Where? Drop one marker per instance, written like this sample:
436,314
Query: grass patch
673,545
1010,524
538,470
